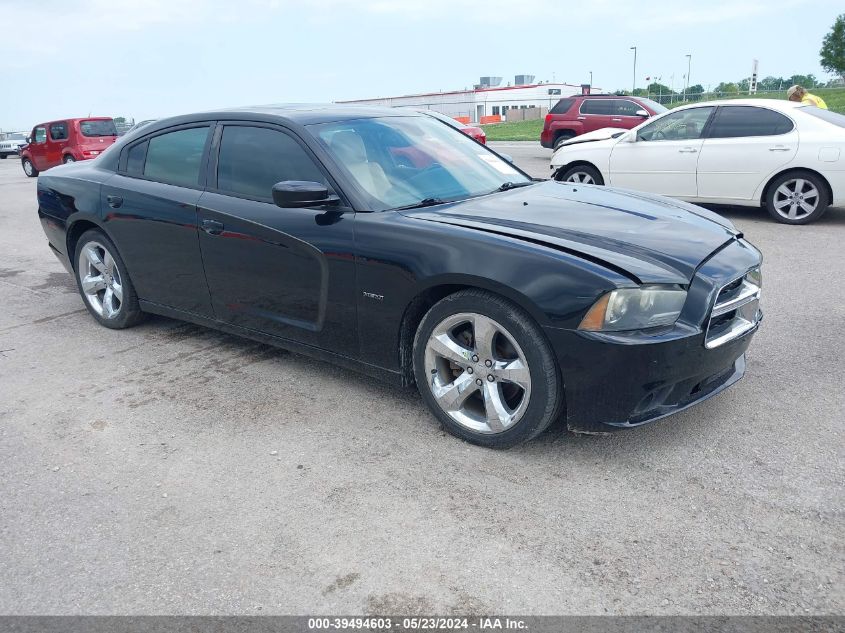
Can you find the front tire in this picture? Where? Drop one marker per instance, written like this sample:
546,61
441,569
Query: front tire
797,197
104,283
28,168
4,156
485,370
582,175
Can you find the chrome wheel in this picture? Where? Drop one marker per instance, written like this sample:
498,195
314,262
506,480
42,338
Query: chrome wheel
477,373
27,168
796,199
100,280
581,177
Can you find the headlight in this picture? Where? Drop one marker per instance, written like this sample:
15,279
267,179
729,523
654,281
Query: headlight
635,309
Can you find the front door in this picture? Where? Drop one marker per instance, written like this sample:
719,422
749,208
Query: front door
664,156
57,140
285,272
38,148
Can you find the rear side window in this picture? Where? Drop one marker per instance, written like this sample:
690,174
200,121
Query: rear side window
253,159
58,131
562,106
598,106
739,121
135,158
175,158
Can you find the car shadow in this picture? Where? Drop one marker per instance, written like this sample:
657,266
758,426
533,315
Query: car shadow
833,216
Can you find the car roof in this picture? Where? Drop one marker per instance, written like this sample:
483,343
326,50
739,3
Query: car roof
300,113
773,104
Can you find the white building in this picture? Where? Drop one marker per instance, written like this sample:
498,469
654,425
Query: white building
487,98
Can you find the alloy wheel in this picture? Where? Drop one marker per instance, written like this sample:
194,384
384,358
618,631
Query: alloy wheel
581,177
477,373
796,199
100,280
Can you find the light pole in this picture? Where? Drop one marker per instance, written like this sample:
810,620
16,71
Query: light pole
591,79
634,86
686,85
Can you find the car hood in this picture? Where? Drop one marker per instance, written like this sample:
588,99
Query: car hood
603,134
649,238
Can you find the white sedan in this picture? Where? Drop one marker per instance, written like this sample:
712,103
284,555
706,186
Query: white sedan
785,156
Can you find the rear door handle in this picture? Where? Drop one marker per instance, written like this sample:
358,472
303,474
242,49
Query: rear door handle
615,119
212,227
114,201
779,148
688,150
581,118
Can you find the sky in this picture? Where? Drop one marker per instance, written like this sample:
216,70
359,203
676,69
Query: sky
154,58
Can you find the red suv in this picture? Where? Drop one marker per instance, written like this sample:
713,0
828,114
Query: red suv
66,141
584,113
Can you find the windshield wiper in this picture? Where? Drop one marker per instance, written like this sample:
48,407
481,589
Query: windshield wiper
425,202
514,185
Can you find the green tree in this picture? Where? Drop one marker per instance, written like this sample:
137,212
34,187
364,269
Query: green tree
833,48
729,88
808,81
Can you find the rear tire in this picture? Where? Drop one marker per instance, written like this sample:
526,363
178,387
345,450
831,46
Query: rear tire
797,197
28,168
582,175
486,370
68,159
104,283
563,137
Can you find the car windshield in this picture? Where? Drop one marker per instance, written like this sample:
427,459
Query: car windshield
825,115
98,128
414,161
658,109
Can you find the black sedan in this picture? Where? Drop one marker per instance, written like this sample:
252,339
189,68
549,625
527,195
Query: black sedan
391,243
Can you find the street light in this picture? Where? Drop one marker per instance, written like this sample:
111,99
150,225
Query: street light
686,85
591,78
634,86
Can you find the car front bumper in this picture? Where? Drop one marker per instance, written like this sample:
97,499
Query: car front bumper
626,379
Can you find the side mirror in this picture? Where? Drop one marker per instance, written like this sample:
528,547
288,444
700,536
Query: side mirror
298,194
507,157
28,140
643,113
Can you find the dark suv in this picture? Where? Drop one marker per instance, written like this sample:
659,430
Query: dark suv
584,113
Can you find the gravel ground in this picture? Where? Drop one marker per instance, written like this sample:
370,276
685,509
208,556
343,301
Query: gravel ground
173,469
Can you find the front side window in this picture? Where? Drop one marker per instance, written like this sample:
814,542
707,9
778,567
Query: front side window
597,106
58,131
175,158
402,161
624,107
39,135
253,159
738,121
99,127
683,125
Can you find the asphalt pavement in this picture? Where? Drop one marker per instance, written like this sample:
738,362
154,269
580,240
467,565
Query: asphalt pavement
174,469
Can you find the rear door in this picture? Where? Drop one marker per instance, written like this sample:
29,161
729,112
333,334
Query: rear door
745,145
664,157
57,140
285,272
150,209
594,114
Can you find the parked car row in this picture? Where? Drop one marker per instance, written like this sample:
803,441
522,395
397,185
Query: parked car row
785,156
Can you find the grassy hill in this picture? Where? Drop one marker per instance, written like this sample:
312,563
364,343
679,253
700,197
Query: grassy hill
530,130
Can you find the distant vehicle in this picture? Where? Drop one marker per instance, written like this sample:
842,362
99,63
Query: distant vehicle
12,144
66,141
470,130
785,156
510,302
138,126
580,114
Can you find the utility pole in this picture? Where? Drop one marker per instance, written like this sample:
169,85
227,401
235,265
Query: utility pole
634,86
686,85
591,79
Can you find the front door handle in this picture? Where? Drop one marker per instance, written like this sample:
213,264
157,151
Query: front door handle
114,201
615,119
688,150
581,118
212,227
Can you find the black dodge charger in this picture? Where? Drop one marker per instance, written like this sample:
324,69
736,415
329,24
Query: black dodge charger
391,243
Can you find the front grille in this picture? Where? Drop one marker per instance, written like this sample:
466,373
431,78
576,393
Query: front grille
736,310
